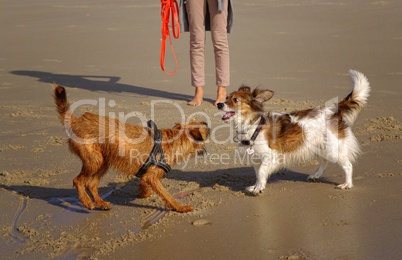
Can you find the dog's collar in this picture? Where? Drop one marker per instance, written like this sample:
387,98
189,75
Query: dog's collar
247,128
255,134
157,149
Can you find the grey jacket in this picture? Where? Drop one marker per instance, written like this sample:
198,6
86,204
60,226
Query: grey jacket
184,26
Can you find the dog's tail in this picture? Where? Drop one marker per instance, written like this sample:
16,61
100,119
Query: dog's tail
62,106
350,107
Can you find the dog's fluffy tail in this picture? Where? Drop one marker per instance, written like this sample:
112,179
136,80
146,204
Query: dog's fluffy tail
350,107
62,106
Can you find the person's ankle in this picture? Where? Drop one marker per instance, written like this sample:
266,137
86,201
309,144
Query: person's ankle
220,95
198,97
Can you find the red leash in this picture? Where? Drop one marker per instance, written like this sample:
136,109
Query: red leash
169,8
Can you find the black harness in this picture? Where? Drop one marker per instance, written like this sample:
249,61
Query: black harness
156,150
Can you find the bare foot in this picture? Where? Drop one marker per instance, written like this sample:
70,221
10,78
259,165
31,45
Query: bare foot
221,95
198,97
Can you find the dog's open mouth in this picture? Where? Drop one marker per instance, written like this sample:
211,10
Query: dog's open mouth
228,115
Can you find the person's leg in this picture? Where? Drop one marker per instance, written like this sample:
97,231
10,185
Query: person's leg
196,11
221,48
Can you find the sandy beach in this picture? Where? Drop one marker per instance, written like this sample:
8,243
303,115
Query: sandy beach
106,54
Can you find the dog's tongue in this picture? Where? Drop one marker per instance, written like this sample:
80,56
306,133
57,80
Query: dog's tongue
228,115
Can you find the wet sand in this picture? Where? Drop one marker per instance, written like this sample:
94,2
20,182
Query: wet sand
109,52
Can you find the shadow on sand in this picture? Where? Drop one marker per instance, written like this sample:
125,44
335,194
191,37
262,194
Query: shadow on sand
108,84
125,194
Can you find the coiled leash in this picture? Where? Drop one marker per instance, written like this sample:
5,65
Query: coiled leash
156,150
169,8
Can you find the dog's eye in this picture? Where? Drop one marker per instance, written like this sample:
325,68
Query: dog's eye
236,100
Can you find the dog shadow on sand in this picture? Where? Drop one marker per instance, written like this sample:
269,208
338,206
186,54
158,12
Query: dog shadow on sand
68,198
126,193
237,179
108,84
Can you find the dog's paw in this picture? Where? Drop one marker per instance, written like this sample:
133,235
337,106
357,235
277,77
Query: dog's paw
144,191
104,205
144,195
344,186
255,189
88,204
312,178
184,209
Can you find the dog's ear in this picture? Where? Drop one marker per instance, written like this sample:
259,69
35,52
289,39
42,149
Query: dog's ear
262,95
245,89
200,133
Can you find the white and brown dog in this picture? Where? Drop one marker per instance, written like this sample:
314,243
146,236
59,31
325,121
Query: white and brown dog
281,140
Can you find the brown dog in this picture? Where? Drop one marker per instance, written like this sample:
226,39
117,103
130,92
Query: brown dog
103,143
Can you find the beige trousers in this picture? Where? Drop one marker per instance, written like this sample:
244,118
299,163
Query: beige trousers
196,12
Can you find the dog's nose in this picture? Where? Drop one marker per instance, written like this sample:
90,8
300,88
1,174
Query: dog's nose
220,105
